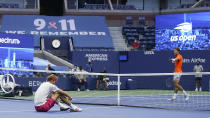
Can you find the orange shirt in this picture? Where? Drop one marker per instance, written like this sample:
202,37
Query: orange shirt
178,64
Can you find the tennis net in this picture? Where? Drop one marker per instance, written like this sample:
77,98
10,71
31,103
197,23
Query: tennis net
147,90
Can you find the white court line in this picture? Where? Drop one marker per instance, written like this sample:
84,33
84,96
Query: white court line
87,108
107,107
149,105
16,111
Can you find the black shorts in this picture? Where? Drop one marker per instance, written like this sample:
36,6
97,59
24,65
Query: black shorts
198,78
100,78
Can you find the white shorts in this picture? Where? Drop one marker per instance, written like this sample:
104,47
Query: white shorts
177,76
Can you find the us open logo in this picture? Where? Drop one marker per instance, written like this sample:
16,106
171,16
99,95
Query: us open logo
186,29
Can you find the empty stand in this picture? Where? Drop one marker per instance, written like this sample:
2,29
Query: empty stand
145,34
96,6
124,7
118,40
9,5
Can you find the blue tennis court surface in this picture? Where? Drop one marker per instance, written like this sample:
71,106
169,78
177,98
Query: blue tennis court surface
25,109
196,102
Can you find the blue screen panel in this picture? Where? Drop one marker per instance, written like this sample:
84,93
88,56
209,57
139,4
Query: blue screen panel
123,57
16,52
188,31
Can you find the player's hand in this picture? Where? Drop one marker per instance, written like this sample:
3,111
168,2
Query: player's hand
172,60
70,98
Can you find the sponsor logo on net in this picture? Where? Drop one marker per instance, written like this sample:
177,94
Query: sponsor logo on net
184,28
113,83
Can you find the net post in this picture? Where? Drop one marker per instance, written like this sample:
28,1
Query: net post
118,90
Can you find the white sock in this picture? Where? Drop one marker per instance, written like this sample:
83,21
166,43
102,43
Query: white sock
62,105
174,95
185,93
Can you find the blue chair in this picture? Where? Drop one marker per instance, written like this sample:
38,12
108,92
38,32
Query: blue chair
133,30
143,46
136,35
16,6
131,38
11,5
126,31
1,5
129,20
129,34
208,4
5,5
142,21
130,42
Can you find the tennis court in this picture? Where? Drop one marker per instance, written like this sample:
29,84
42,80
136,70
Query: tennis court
103,104
146,99
18,108
115,103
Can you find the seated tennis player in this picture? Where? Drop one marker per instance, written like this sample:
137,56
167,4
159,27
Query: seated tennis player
47,95
178,70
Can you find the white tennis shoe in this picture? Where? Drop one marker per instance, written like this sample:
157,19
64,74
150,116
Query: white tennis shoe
76,109
187,97
172,99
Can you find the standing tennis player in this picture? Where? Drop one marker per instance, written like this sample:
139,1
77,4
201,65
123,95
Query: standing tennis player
178,71
47,95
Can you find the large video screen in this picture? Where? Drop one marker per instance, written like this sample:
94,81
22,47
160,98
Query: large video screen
16,52
188,31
